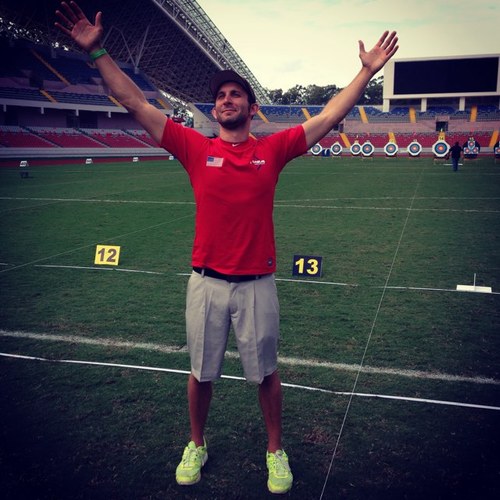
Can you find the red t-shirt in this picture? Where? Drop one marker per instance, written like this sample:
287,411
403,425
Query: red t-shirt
234,187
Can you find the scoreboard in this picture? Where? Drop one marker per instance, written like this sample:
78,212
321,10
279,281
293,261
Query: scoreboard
446,77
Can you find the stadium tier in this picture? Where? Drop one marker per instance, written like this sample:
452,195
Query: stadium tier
55,102
15,137
115,138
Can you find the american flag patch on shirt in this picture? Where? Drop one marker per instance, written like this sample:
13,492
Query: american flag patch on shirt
214,161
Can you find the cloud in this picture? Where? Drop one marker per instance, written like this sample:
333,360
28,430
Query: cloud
289,42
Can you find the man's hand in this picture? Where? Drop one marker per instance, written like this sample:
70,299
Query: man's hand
75,24
383,50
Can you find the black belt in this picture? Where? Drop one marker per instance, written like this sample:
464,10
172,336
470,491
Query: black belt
231,278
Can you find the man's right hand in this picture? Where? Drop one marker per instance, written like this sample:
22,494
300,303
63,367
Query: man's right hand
74,23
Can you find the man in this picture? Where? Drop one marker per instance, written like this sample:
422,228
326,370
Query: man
234,257
456,154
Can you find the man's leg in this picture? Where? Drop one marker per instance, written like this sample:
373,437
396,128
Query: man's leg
271,402
207,328
199,398
195,454
280,478
257,331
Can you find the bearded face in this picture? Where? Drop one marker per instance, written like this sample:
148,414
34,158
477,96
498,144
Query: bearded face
232,109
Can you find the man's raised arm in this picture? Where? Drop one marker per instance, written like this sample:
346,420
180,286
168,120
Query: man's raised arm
340,105
74,23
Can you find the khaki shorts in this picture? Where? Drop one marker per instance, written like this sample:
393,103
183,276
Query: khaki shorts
251,307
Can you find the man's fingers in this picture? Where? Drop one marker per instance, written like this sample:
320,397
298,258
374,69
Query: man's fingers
62,28
70,15
392,46
63,18
382,38
387,40
68,18
76,8
65,25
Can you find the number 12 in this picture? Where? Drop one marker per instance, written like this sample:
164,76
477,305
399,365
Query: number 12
107,255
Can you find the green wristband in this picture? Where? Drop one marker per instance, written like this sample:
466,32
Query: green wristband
97,53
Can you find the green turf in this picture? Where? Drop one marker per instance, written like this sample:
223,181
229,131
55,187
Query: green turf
396,237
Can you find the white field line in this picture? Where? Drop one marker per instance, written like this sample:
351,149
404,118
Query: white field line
388,198
284,360
95,268
284,384
278,204
154,226
286,280
318,170
91,200
405,209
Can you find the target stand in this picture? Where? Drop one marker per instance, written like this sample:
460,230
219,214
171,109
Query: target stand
367,150
355,148
336,150
391,150
440,149
316,150
471,149
414,149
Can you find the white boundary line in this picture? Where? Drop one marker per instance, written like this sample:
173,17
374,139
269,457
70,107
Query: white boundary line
95,268
230,377
406,209
286,280
67,252
390,198
93,200
284,360
278,204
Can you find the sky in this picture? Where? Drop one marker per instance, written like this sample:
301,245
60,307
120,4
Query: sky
302,42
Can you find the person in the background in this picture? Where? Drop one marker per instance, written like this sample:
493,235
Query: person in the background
234,256
455,155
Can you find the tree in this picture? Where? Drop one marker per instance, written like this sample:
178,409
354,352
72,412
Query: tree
319,96
276,96
374,92
295,95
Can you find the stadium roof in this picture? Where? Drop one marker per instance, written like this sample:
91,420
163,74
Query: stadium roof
173,41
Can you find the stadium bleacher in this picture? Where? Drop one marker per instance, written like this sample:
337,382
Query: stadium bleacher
65,138
142,136
16,137
49,91
35,72
114,138
55,101
22,94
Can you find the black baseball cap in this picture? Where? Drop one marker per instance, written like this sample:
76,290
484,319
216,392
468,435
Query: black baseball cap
228,75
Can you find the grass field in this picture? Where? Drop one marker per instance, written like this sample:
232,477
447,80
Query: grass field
392,376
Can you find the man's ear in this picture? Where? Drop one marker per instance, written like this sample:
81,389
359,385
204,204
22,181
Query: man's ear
254,109
213,113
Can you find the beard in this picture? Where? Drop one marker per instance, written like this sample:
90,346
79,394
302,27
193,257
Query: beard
234,122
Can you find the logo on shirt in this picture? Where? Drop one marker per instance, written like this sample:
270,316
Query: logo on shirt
214,161
257,163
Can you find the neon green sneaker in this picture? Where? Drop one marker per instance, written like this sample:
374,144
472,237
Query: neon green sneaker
280,476
193,459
